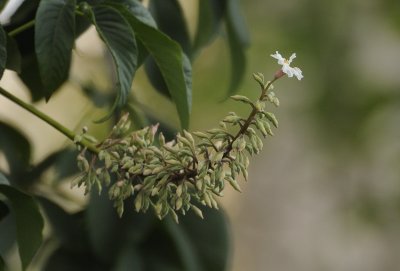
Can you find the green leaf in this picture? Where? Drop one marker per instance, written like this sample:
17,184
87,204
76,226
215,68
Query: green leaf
69,228
54,40
16,149
108,233
2,264
3,51
120,40
174,65
210,14
208,238
13,55
26,211
171,21
4,210
25,40
238,40
63,259
129,259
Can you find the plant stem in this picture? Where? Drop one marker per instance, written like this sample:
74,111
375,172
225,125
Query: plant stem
58,126
249,118
21,28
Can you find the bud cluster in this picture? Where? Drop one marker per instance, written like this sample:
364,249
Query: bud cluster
173,177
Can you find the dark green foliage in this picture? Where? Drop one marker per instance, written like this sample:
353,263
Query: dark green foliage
13,55
37,44
16,148
26,212
54,39
116,33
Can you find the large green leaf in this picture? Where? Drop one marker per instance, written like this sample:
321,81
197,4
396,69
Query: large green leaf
129,260
4,210
13,55
109,233
16,149
203,245
29,222
3,51
210,238
210,14
119,37
66,260
69,228
174,65
2,264
171,21
54,40
238,41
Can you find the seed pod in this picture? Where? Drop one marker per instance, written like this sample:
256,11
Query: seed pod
271,117
139,202
178,203
243,99
197,211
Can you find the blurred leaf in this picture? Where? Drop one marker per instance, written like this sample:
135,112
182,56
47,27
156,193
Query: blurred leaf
159,252
68,228
143,116
54,39
13,55
3,3
3,51
98,98
29,72
64,162
238,40
210,14
174,66
2,264
26,213
202,244
4,210
120,40
109,233
171,21
235,18
66,260
16,149
3,179
129,260
30,75
8,237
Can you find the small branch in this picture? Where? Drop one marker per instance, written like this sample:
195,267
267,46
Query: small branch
21,28
249,119
58,126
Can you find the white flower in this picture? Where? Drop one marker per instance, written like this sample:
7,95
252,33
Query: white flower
286,65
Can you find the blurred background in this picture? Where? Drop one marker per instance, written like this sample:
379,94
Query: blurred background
324,194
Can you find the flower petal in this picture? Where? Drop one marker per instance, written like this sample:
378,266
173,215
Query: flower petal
298,73
293,56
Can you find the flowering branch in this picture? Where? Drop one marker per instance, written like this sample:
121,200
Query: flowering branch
171,177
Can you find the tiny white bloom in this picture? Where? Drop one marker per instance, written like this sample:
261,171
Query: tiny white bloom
286,65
